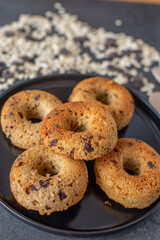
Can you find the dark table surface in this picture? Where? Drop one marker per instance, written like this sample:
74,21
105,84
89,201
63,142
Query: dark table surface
139,20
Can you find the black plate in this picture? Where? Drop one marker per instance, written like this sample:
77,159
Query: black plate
91,215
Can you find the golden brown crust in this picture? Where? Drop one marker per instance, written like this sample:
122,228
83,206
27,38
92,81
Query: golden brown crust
17,111
137,191
46,182
80,130
113,97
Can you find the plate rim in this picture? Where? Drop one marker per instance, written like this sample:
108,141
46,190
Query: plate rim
66,232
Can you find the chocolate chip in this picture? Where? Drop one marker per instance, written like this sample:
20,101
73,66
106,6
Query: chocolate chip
71,153
61,148
53,143
19,158
20,114
27,191
138,56
90,137
115,150
47,207
57,126
21,30
138,83
138,51
7,75
5,116
44,184
151,165
114,162
110,43
17,63
130,143
112,55
28,59
126,52
9,34
20,71
62,195
37,97
84,139
3,66
121,112
81,40
10,114
128,75
70,111
11,127
113,68
70,185
64,51
88,147
33,188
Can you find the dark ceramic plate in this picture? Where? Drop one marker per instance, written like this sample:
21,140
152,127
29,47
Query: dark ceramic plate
90,216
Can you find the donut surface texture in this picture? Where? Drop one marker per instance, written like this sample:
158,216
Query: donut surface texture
113,97
46,182
79,130
132,191
18,111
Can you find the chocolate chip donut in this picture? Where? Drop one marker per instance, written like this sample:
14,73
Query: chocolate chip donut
80,130
46,182
113,174
20,112
113,97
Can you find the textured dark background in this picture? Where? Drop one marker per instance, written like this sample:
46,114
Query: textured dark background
139,20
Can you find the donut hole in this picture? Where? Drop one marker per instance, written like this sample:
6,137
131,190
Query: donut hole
131,166
103,98
76,125
33,118
47,170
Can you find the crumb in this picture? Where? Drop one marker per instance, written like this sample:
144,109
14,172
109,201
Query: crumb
108,203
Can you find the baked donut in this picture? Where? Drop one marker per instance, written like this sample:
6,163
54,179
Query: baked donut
20,109
80,130
132,191
113,97
46,182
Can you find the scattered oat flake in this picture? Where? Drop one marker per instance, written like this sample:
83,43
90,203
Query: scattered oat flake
42,45
118,22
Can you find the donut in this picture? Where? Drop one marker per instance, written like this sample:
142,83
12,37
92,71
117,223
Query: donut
79,130
46,182
130,174
20,111
113,97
